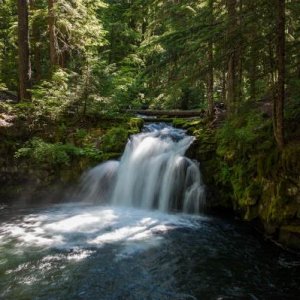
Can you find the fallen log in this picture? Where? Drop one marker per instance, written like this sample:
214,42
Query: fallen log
169,113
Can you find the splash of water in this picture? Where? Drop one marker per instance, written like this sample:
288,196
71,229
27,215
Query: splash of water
152,173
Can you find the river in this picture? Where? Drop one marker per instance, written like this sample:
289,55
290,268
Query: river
138,230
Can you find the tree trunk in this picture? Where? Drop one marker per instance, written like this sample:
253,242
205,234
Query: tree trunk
168,113
210,79
223,92
36,51
231,81
232,59
253,73
54,58
280,95
112,45
239,55
24,68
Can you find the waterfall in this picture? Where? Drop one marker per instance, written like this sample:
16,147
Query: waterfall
153,173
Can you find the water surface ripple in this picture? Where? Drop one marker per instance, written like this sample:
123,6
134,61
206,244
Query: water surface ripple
78,251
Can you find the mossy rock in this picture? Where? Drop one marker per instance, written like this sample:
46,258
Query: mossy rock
114,140
290,236
290,158
136,124
274,209
251,213
190,125
111,155
252,194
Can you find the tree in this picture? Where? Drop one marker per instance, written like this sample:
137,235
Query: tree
24,68
54,59
280,89
210,80
36,29
232,55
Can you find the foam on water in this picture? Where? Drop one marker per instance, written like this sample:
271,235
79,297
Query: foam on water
73,227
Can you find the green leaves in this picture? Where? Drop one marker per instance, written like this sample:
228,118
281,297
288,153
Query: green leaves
57,154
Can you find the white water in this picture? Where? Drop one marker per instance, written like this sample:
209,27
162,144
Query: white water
82,228
152,173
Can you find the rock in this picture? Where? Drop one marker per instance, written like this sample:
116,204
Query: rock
270,229
136,124
290,236
251,213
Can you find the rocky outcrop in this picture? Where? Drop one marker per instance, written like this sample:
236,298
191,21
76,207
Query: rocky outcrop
246,173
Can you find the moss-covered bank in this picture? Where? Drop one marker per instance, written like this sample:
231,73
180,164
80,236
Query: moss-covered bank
246,173
38,163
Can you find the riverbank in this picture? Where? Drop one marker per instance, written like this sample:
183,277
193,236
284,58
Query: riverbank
43,159
247,174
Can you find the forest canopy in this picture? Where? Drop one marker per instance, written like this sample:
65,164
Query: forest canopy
92,56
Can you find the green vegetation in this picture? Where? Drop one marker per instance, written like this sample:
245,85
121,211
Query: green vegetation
81,63
241,162
58,154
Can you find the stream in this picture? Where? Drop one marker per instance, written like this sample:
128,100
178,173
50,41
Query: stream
137,229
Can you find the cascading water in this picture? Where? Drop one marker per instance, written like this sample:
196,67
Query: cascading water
152,173
90,251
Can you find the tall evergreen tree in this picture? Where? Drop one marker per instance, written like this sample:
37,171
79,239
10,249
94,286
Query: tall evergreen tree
280,95
54,58
232,55
23,52
210,80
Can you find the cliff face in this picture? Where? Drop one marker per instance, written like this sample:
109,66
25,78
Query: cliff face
246,173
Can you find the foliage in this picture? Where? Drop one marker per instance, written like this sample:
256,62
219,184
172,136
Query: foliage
136,124
57,154
122,54
51,98
245,147
243,135
114,140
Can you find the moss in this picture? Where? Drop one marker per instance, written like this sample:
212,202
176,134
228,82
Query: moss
292,228
290,158
251,213
136,124
178,122
250,195
274,208
241,159
110,155
189,124
290,236
114,140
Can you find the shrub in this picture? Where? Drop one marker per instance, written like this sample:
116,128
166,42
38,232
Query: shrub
41,152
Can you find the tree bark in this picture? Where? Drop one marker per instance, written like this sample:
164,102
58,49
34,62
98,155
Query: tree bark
239,55
36,51
210,79
54,58
232,59
280,95
253,73
223,80
24,68
169,113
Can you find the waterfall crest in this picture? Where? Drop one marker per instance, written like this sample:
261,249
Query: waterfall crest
152,173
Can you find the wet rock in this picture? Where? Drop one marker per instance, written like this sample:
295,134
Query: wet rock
290,236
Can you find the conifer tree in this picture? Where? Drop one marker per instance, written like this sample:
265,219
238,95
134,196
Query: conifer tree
24,68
